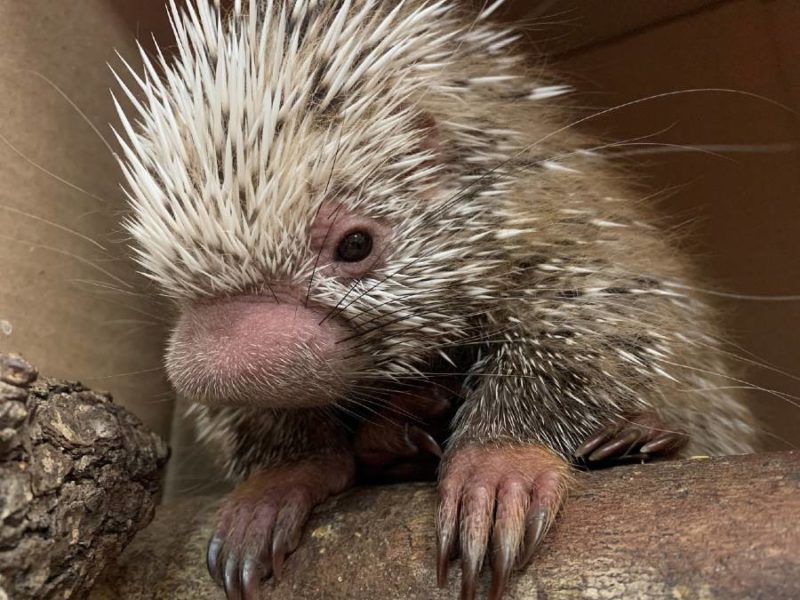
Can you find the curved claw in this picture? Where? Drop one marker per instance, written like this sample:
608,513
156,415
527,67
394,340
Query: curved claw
447,535
213,555
643,435
262,521
595,441
443,558
476,522
279,551
513,502
469,579
231,581
252,574
665,443
535,528
501,571
420,439
618,446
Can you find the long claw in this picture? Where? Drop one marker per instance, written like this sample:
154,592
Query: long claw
513,500
664,443
443,559
212,556
535,529
448,515
616,447
478,508
288,527
593,442
469,578
252,575
279,550
422,439
643,435
232,579
510,492
262,520
502,561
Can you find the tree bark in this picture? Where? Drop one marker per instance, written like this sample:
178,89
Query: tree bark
723,528
78,477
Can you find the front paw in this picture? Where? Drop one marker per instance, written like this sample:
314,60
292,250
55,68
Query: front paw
400,440
508,492
262,521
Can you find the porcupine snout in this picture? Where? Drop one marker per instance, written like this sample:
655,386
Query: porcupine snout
254,351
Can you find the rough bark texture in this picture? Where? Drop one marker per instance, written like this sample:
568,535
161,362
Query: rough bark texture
78,477
724,528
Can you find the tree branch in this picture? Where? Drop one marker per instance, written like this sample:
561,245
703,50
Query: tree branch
701,528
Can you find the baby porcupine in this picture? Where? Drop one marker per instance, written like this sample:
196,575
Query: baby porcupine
362,208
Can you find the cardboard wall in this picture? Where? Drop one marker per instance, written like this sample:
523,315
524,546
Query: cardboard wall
72,308
741,210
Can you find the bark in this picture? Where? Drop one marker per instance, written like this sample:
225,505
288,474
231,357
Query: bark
78,477
723,528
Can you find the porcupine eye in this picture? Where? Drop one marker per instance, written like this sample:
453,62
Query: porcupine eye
354,247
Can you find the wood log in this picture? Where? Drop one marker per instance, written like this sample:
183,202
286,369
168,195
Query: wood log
725,528
79,476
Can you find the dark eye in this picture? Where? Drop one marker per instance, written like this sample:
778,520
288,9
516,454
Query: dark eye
354,247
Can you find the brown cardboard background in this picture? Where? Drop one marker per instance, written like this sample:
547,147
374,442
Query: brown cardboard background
744,209
557,26
53,284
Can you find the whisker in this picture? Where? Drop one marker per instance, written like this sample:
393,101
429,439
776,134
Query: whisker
74,106
71,255
49,173
128,374
735,296
717,150
790,398
49,223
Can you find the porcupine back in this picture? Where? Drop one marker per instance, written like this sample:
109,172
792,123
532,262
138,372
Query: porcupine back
506,226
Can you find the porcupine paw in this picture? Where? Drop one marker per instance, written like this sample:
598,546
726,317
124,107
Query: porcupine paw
262,521
392,451
500,499
643,436
399,441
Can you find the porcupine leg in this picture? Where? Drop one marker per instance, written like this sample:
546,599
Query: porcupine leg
500,483
262,520
510,493
643,436
507,466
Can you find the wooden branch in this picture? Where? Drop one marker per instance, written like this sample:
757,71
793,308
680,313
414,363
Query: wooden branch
723,528
78,477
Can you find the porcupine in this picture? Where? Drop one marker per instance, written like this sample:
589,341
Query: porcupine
356,204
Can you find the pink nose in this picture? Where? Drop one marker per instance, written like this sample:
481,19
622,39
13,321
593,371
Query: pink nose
253,351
